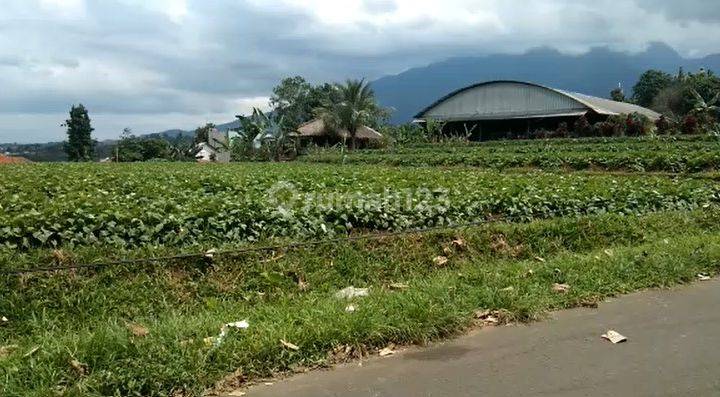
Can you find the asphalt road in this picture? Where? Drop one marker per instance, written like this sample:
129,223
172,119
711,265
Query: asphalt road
673,349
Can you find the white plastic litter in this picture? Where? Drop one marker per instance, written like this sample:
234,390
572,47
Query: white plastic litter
289,345
352,292
440,260
238,324
216,341
388,351
614,336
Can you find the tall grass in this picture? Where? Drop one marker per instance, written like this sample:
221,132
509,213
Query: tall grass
71,328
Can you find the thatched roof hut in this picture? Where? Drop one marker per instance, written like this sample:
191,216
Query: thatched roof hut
316,129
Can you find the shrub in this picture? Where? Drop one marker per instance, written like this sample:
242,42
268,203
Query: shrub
561,131
635,124
606,128
376,143
540,134
689,124
664,126
404,134
582,127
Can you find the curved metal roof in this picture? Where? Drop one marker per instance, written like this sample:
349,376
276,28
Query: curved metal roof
505,99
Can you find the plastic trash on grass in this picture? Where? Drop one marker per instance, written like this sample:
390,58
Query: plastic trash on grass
352,292
216,341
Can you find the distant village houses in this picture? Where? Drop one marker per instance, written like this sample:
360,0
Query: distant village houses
215,150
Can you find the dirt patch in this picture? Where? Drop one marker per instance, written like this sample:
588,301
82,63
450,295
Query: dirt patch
13,160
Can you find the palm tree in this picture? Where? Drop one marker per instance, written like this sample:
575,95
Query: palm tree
349,107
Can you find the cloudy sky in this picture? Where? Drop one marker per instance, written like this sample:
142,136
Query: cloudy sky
157,64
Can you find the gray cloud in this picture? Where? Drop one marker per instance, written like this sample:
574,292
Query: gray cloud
686,10
132,60
8,60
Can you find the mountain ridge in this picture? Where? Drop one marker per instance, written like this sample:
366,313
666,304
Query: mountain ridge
595,72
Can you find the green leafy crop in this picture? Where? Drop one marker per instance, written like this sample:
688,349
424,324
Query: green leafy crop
132,205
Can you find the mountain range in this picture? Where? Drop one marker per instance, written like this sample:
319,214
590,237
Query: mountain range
174,133
595,72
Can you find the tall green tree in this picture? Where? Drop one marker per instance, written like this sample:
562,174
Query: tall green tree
202,134
79,146
290,99
351,106
294,99
681,97
649,85
131,148
703,84
670,101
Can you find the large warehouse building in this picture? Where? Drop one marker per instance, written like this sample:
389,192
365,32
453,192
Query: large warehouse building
505,109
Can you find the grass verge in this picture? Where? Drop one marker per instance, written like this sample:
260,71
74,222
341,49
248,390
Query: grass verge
71,336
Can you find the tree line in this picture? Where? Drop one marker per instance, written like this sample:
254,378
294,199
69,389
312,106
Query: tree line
265,135
341,106
688,102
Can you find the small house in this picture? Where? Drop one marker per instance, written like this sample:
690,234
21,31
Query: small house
215,150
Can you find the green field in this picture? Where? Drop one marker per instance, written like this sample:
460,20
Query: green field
133,205
140,329
678,154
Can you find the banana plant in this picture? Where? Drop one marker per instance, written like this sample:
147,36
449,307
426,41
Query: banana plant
707,111
264,135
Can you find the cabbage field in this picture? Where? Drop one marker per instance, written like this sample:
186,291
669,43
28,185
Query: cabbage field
159,327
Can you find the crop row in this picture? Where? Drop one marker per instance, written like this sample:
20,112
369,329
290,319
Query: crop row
627,161
642,141
181,204
623,154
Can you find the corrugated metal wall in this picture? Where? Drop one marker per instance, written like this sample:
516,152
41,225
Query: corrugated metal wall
504,100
